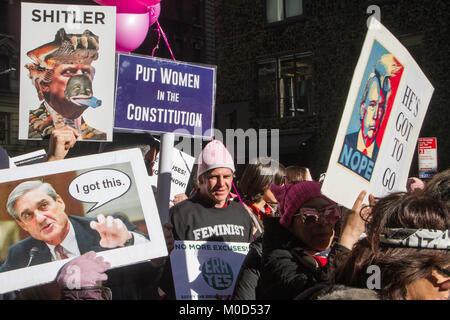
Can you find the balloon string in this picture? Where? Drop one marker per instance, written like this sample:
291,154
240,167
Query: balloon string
165,39
157,44
238,194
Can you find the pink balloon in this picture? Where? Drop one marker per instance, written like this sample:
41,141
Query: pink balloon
153,13
124,6
148,2
106,2
131,30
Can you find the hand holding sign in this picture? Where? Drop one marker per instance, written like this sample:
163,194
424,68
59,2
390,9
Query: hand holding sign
61,140
179,197
354,224
113,232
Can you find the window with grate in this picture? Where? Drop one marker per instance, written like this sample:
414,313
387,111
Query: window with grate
280,10
284,86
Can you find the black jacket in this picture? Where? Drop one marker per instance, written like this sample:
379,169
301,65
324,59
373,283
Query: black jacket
246,287
286,270
326,291
247,280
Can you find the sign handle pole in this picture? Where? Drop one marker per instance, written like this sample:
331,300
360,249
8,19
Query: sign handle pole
164,175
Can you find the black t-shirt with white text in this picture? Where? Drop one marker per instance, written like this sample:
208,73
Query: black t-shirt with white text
194,221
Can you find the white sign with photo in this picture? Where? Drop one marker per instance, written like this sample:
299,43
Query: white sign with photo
385,108
113,185
206,270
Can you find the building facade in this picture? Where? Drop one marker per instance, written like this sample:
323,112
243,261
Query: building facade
288,65
282,65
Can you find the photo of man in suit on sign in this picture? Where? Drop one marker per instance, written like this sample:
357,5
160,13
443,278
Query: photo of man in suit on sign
54,235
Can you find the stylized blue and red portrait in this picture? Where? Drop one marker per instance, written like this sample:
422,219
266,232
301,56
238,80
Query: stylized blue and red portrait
371,111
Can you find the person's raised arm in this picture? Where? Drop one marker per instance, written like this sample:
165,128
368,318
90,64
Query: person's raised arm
61,140
354,225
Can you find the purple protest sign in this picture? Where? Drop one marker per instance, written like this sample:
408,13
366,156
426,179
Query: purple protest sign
164,96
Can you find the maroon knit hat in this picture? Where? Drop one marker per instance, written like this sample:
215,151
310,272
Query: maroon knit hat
292,196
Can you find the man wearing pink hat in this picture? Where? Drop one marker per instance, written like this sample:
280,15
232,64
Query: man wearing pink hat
210,214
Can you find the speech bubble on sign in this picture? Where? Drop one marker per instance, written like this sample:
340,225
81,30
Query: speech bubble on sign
99,186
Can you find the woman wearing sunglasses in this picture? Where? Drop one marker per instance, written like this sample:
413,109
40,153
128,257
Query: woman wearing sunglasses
405,256
291,245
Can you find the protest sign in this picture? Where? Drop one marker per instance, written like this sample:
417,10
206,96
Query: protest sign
384,111
204,270
428,161
182,164
67,70
111,184
164,96
28,158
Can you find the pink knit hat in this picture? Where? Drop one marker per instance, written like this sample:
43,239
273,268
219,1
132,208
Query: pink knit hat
213,156
292,196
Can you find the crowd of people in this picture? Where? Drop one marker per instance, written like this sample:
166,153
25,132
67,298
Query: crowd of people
302,245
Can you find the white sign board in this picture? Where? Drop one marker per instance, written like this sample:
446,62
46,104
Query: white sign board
67,65
182,164
206,270
428,161
386,104
28,158
112,183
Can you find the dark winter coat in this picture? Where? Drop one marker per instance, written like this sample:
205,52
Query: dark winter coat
286,269
325,291
247,280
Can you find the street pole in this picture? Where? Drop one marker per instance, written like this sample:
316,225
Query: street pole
165,175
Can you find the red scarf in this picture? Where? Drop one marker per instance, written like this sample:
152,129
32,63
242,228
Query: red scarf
257,211
227,202
322,261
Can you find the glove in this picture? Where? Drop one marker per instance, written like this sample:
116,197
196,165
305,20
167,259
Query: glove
83,271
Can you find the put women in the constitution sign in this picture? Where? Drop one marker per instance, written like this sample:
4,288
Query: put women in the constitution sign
164,96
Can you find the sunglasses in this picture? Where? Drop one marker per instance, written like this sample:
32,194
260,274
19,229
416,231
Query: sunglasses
444,271
331,214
